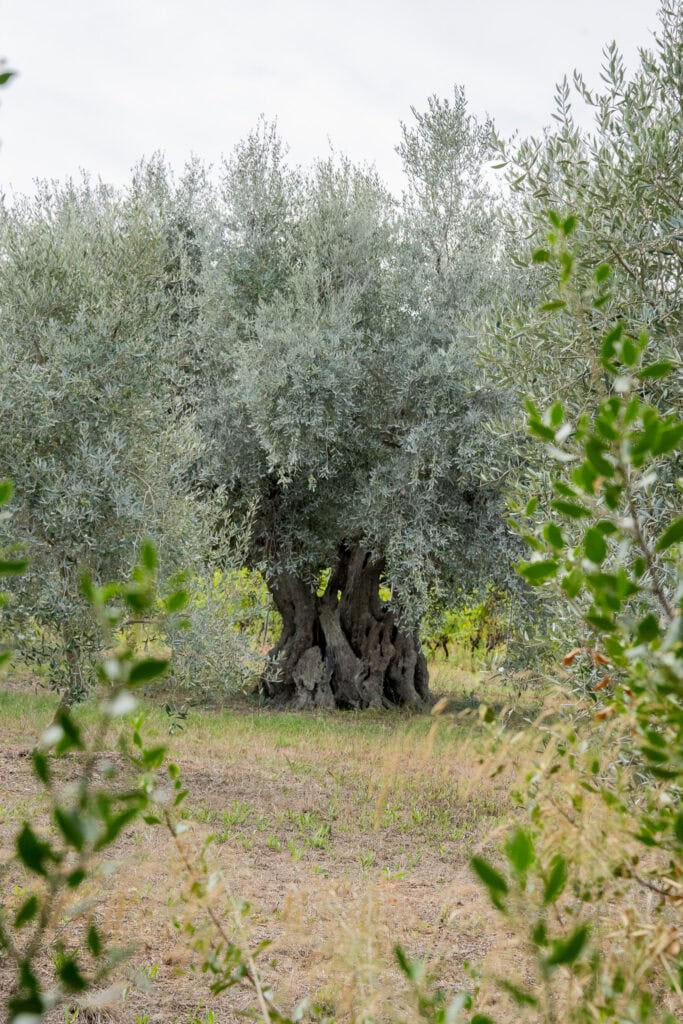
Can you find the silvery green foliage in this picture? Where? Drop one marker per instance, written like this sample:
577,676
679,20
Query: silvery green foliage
215,657
596,225
342,395
449,209
95,287
622,183
454,274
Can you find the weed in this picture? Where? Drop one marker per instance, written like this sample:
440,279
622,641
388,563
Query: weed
392,814
239,813
314,830
295,851
202,815
393,876
320,839
196,1016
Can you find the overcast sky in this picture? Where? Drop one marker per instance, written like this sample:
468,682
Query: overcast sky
104,82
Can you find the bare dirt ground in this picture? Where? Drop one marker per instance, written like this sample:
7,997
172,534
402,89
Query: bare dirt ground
346,834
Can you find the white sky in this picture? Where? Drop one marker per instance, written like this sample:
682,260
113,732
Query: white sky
104,82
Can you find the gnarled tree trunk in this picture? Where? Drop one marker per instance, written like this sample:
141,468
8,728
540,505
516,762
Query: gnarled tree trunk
343,649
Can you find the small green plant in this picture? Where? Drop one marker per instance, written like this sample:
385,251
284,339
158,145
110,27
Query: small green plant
393,876
319,838
431,1002
239,813
315,832
199,1016
150,971
296,852
216,933
392,814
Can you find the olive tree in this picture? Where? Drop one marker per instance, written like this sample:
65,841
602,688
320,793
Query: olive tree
618,190
605,207
95,290
345,414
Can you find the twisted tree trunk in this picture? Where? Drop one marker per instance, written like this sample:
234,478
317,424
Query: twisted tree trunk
343,649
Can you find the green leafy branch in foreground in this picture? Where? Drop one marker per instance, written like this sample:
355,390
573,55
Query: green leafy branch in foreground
221,950
603,796
429,997
210,920
617,566
87,814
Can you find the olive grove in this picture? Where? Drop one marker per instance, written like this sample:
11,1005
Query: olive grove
293,371
293,353
353,417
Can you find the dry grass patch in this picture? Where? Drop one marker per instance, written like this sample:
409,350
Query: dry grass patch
345,832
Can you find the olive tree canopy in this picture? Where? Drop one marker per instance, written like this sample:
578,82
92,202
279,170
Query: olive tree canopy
94,288
344,410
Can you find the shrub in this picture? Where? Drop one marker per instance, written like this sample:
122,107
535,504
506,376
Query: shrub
222,653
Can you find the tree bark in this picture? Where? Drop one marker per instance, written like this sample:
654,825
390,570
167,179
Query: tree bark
343,649
75,686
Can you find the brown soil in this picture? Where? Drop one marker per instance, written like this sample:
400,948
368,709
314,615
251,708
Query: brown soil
403,821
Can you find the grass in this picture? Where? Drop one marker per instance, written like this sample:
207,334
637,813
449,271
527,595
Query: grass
346,832
335,836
